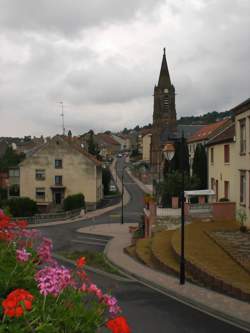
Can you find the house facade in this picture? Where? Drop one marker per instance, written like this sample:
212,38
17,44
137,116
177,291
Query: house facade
57,169
146,146
107,144
221,164
242,170
202,136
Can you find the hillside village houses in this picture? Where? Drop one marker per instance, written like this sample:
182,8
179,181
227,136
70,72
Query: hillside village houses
59,168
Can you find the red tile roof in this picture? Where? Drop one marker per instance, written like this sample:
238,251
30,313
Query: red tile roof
107,139
207,131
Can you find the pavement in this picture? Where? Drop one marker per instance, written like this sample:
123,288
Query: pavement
215,304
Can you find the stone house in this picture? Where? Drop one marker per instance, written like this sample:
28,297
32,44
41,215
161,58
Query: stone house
59,168
146,146
221,164
107,144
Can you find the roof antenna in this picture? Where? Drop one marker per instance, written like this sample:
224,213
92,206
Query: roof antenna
164,51
62,115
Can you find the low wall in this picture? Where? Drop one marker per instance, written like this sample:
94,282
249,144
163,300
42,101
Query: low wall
224,210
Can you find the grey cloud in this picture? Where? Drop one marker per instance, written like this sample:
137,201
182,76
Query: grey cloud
67,17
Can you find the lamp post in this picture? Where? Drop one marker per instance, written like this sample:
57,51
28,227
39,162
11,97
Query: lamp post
169,152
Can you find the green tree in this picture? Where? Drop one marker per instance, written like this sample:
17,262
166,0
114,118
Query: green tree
200,166
75,201
92,145
22,207
10,159
180,156
106,179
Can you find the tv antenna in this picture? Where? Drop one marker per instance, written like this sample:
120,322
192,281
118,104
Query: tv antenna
62,115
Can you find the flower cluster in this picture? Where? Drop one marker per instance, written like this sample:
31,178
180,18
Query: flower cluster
76,290
44,250
22,255
53,280
17,302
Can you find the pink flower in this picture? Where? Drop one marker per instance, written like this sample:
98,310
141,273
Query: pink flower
44,250
53,280
22,255
111,302
83,287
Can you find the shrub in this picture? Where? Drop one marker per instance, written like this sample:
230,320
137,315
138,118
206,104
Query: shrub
223,200
22,207
74,201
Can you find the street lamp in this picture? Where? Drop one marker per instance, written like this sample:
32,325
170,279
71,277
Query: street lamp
169,152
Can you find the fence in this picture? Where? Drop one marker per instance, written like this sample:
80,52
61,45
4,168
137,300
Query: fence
53,217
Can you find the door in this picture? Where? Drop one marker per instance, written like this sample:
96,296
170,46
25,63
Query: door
58,198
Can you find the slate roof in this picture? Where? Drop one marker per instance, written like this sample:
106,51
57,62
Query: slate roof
188,130
226,135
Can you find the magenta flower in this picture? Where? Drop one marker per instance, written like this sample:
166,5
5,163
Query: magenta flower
22,255
53,280
111,302
44,250
93,289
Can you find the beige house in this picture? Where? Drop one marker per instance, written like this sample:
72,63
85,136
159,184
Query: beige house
242,170
57,169
146,146
202,136
221,164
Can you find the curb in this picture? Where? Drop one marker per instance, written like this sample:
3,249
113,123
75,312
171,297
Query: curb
96,270
185,300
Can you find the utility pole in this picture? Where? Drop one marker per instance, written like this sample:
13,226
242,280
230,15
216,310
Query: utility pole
62,115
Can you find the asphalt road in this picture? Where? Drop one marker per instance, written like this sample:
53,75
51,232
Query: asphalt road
147,310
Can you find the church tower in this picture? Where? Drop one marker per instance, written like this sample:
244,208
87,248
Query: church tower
164,115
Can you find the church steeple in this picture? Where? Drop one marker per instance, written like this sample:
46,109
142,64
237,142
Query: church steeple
164,78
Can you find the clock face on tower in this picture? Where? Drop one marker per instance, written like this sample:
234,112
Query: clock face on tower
165,90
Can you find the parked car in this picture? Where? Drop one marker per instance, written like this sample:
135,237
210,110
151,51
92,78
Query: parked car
119,155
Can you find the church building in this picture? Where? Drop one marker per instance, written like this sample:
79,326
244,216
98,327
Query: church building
164,116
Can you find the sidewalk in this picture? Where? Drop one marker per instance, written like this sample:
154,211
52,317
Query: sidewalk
208,301
144,187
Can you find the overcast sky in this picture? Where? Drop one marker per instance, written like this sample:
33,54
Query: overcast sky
102,59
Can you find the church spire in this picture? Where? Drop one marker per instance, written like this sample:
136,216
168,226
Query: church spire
164,78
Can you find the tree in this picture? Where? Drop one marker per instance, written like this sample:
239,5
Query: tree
200,166
22,207
10,159
92,145
106,179
75,201
179,157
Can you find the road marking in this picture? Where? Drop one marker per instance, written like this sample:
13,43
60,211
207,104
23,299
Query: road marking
93,238
88,243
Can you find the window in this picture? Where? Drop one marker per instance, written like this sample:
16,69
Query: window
14,172
40,193
212,183
243,187
226,153
58,180
226,189
212,155
58,164
14,190
40,174
243,136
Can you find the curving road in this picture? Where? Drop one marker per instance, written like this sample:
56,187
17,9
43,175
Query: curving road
147,310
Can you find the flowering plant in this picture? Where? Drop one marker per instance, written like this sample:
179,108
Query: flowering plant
37,294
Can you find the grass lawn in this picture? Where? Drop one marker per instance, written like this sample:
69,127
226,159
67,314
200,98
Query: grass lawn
94,259
203,252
